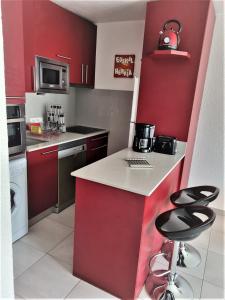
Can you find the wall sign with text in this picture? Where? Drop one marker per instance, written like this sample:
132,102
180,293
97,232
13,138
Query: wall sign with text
124,66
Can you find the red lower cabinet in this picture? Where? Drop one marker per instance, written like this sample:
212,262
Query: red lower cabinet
97,148
42,180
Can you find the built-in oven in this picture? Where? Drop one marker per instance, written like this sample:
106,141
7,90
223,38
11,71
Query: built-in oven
51,76
16,128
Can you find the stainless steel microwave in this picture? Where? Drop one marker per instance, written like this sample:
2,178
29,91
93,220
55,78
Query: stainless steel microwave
16,128
51,76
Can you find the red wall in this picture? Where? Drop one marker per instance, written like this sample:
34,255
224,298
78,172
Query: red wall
168,84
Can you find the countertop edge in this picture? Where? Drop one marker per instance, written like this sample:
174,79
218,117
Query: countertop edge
132,190
49,143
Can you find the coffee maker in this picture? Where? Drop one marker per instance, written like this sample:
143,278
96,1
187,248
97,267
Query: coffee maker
143,139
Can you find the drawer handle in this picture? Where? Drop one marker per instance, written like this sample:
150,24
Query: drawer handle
48,152
65,57
15,97
16,120
99,138
99,147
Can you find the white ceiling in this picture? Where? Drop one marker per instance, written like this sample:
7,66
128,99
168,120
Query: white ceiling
101,11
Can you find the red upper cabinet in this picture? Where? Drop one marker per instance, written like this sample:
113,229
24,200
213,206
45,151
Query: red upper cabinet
56,33
12,20
89,51
43,28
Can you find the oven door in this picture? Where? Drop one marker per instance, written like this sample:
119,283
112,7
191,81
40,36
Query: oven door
16,135
50,76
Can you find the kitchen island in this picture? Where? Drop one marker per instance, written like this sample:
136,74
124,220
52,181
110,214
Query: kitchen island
116,207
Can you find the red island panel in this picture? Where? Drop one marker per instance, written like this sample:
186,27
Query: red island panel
115,234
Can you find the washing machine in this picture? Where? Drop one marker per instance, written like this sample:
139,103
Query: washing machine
18,197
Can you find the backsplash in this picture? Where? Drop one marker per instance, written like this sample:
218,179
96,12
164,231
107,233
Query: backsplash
106,109
36,105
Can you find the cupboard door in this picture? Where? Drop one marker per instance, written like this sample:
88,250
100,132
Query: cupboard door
89,51
42,180
12,23
92,32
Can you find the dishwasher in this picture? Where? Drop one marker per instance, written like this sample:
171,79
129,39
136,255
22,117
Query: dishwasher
71,156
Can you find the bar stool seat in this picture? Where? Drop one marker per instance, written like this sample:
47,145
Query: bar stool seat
198,195
186,223
189,257
179,224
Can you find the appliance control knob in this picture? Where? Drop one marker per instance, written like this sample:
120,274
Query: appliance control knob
166,40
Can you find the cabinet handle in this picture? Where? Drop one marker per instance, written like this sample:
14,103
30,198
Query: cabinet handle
15,97
86,73
48,152
65,57
82,73
16,120
99,147
99,138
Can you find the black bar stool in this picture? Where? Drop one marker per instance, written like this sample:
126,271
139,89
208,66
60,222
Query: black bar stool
189,257
179,224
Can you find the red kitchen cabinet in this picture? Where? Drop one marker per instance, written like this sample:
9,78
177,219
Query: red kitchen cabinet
97,147
42,180
12,20
88,51
56,33
43,28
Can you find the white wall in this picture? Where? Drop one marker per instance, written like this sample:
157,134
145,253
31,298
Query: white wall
208,158
36,105
6,275
117,38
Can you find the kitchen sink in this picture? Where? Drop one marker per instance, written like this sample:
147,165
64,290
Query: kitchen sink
32,141
82,129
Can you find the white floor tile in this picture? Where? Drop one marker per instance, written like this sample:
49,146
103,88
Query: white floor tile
24,256
196,284
214,269
64,250
210,291
143,294
199,270
216,243
65,217
45,279
219,224
18,297
88,291
46,234
201,241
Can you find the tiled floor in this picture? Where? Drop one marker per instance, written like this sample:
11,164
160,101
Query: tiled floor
43,262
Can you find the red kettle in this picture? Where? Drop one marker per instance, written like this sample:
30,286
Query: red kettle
169,38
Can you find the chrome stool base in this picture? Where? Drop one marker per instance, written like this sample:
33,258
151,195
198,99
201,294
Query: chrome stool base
188,256
168,287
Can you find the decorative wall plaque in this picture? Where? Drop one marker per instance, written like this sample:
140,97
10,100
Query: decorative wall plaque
124,66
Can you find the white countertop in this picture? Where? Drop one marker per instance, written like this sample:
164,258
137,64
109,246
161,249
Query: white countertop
57,139
114,171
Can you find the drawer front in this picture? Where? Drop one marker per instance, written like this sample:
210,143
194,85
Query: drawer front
97,153
96,141
97,148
